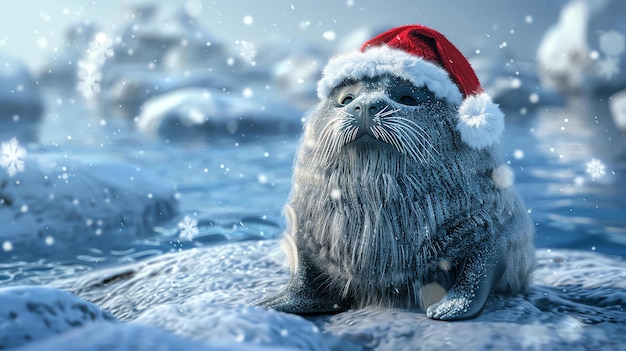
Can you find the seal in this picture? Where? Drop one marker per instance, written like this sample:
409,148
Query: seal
399,198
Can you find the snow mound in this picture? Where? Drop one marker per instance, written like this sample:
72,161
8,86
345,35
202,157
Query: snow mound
30,313
127,86
225,274
576,303
134,337
584,52
234,325
195,113
53,205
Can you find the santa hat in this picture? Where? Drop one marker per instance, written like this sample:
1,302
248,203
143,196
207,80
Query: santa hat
425,58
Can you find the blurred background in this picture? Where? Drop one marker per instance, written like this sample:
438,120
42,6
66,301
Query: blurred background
134,128
38,31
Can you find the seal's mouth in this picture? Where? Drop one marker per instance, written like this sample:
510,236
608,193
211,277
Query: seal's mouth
368,139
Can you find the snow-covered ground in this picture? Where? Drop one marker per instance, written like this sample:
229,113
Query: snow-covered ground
204,295
142,209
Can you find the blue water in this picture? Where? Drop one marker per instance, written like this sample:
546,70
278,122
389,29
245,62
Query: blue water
236,189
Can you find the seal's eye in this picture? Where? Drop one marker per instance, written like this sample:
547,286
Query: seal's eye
408,100
408,94
347,99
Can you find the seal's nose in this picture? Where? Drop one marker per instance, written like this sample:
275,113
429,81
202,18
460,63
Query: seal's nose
365,112
368,109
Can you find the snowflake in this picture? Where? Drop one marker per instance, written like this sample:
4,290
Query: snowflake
608,67
90,67
247,52
12,157
100,48
89,77
595,168
188,228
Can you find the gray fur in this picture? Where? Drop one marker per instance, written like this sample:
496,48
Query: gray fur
382,219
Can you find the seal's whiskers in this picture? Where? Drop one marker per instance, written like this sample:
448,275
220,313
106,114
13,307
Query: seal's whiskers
403,134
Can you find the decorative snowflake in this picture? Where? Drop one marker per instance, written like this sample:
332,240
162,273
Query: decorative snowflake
90,67
595,168
12,157
89,77
100,48
188,228
608,67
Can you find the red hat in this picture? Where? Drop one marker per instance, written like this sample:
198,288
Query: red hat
424,57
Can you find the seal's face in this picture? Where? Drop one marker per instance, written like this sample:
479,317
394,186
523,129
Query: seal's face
384,111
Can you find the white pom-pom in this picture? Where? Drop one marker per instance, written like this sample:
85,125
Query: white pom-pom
481,122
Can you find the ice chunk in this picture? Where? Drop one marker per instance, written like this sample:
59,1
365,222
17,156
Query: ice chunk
31,313
194,113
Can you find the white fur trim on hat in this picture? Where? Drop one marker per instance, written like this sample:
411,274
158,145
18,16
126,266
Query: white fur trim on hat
481,122
381,60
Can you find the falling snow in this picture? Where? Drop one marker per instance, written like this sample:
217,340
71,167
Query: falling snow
7,246
595,168
12,158
90,67
248,20
89,77
188,228
329,35
246,51
100,49
247,92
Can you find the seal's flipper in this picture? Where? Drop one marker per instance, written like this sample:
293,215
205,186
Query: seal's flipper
306,293
469,293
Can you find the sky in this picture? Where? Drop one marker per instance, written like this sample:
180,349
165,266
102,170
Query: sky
34,29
